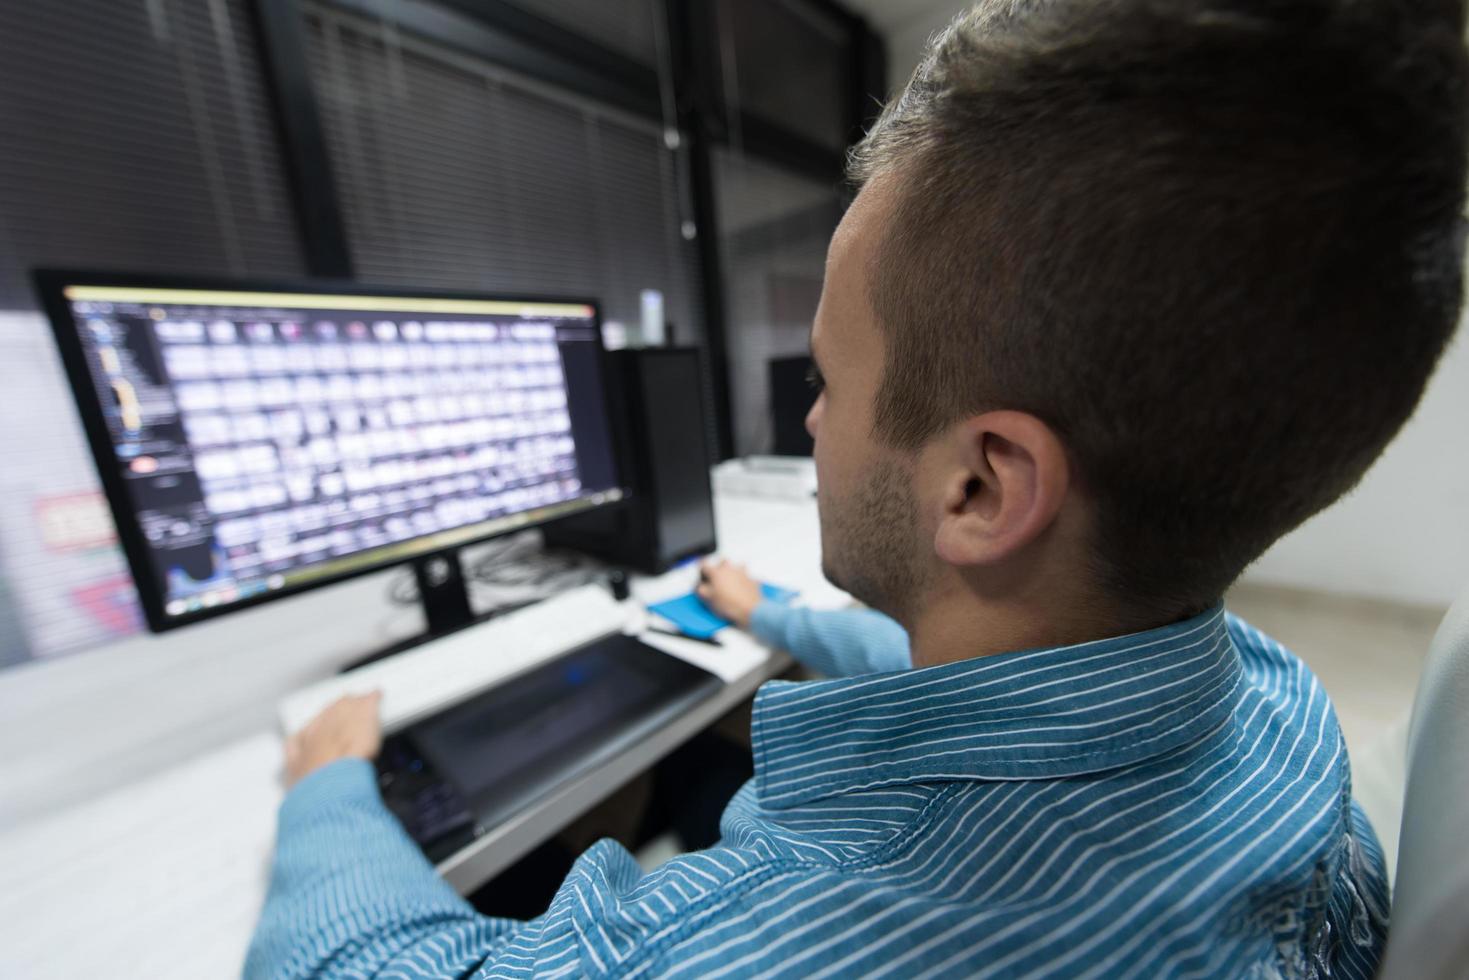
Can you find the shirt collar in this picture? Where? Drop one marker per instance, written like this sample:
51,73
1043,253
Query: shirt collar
1034,714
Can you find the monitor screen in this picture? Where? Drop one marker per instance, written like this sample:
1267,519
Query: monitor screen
262,441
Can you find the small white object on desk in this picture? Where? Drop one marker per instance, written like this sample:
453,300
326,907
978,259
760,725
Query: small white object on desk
447,670
652,325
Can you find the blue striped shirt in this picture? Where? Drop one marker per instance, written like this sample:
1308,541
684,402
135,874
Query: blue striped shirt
1174,803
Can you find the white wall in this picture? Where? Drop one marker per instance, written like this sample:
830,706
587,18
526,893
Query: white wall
1403,534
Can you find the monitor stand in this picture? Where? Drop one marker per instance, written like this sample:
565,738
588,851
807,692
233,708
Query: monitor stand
443,593
445,599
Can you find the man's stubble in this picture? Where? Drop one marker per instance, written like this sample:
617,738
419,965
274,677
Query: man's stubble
870,543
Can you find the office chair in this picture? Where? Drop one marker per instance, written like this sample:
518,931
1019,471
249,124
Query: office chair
1429,935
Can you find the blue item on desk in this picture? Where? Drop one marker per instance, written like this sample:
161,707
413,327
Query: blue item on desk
691,616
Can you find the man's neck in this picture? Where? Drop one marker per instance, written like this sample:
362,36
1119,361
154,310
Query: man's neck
958,625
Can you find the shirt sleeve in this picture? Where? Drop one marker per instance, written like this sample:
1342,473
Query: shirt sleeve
351,893
837,643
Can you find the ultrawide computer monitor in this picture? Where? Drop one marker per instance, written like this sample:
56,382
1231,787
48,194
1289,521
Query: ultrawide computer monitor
256,440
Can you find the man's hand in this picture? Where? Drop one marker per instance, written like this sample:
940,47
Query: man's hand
348,729
730,591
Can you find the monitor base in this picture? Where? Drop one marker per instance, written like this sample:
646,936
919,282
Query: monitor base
443,593
445,598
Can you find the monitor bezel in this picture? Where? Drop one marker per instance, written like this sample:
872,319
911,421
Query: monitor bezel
51,284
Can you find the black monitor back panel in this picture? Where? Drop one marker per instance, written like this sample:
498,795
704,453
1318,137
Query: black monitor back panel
660,421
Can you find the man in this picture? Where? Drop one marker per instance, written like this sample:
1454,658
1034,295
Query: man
1130,290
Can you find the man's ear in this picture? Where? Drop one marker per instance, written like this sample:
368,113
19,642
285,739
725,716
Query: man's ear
1005,476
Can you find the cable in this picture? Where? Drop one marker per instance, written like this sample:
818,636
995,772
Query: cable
512,573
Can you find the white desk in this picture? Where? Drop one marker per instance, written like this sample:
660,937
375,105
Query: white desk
162,879
165,877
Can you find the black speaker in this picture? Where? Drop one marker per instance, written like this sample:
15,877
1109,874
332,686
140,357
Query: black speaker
662,433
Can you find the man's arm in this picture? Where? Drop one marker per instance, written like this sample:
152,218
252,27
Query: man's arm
837,643
352,896
350,893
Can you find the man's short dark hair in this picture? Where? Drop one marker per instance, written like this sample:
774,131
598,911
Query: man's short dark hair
1215,244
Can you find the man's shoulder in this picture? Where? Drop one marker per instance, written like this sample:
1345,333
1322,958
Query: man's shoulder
1284,724
687,913
742,905
1269,666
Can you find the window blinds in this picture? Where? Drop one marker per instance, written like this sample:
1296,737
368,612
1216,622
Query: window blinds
137,135
454,172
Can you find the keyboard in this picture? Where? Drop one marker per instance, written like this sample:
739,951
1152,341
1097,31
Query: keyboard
474,766
444,671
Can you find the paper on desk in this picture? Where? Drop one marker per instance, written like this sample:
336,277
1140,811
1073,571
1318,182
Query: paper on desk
738,654
162,879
